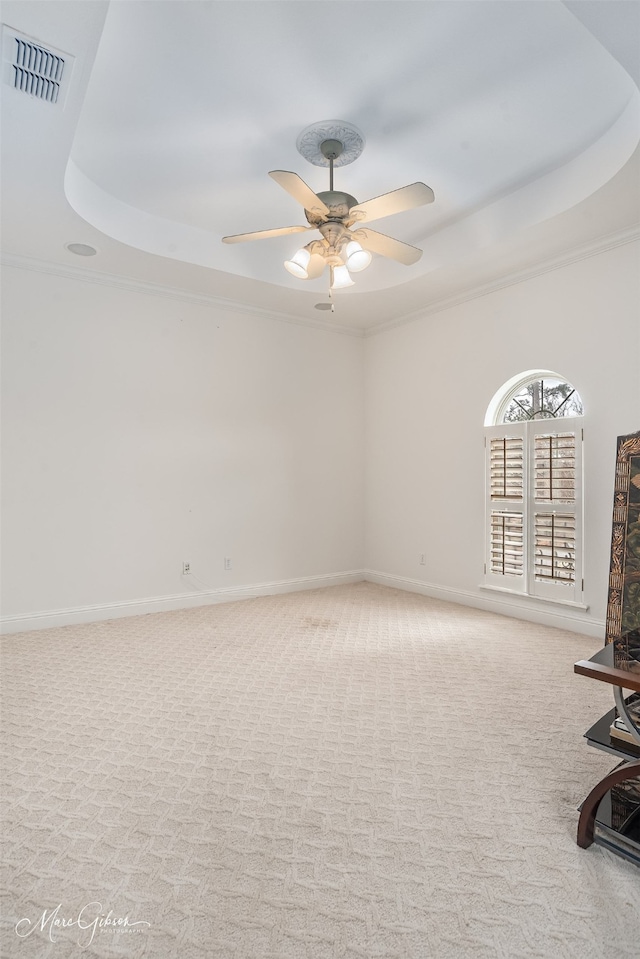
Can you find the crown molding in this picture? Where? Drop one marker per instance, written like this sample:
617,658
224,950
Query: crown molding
560,261
173,293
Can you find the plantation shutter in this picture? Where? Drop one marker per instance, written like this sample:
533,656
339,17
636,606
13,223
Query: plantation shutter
554,466
506,489
507,467
534,508
507,543
554,547
556,457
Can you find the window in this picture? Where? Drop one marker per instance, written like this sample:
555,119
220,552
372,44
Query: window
534,488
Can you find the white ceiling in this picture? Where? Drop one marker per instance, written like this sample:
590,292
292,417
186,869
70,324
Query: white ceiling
524,118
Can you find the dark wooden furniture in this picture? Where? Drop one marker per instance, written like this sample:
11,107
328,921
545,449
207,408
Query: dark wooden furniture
611,812
622,784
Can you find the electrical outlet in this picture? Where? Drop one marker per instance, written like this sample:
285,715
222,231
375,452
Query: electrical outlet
186,569
227,562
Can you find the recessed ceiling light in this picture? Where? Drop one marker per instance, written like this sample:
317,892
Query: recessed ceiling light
81,249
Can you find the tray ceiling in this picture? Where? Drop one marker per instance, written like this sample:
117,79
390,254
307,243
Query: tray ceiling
514,113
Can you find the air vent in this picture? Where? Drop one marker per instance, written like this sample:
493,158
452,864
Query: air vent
37,71
33,68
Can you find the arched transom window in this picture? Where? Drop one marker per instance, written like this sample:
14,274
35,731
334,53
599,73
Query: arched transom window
534,438
541,398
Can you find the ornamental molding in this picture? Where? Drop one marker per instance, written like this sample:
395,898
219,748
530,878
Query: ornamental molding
603,244
311,138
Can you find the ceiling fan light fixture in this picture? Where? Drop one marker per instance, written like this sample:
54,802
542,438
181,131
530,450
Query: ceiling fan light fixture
357,259
298,264
340,278
332,212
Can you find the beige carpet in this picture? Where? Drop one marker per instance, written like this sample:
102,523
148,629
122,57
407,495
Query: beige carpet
348,773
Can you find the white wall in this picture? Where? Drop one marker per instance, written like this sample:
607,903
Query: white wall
140,431
428,384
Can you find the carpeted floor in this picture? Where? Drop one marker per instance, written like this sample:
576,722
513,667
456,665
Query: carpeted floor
348,773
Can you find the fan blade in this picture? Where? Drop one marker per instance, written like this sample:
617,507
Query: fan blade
406,198
265,234
315,266
298,189
387,246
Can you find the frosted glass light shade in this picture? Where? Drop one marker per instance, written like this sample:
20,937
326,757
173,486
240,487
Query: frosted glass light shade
298,263
341,278
357,258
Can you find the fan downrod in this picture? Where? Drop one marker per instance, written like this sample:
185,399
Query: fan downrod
331,149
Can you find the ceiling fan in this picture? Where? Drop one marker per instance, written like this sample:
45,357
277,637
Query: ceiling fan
334,213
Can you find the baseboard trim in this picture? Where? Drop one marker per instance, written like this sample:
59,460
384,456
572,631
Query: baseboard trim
161,604
575,621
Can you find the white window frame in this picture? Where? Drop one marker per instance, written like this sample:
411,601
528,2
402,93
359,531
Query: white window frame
526,584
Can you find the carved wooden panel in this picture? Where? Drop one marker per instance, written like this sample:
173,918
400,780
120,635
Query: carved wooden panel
623,607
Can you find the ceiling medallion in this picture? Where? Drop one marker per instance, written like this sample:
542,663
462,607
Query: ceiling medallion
312,137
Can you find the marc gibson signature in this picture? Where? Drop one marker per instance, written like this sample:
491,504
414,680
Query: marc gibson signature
89,920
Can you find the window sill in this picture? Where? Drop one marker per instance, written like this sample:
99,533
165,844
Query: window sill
535,600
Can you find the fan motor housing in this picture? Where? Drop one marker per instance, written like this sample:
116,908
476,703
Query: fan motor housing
338,203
